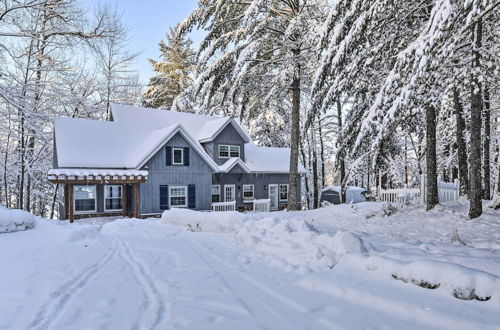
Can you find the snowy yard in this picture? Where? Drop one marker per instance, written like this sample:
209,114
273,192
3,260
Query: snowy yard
331,268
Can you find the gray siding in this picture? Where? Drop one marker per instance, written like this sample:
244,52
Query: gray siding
260,181
230,136
198,173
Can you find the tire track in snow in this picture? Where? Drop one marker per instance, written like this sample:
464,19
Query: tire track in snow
268,292
153,304
59,299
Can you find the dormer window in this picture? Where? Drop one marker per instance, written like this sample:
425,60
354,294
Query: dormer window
227,151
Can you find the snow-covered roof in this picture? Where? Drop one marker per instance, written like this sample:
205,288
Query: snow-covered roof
265,159
231,163
337,188
136,134
81,173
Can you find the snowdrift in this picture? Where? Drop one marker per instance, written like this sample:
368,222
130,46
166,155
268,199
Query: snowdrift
15,220
218,222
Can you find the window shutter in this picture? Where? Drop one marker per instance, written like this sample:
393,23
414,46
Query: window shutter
163,197
168,155
191,196
186,156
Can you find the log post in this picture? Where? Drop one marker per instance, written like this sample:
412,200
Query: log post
124,200
71,207
136,200
66,201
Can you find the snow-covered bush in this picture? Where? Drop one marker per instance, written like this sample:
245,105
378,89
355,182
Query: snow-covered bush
15,220
219,222
387,210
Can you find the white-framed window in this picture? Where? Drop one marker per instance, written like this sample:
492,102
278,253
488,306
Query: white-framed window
113,198
248,192
177,196
283,192
215,193
234,151
229,190
227,151
84,199
177,156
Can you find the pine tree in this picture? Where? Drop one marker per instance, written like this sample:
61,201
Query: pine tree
173,73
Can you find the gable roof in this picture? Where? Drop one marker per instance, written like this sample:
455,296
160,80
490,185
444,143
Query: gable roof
136,134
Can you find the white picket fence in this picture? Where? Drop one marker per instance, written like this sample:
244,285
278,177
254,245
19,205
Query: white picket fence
398,195
224,206
261,205
447,192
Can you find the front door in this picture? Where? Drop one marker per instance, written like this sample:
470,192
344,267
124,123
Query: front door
229,191
273,196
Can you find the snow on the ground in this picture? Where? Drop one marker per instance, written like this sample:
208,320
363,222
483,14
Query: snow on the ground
15,220
340,267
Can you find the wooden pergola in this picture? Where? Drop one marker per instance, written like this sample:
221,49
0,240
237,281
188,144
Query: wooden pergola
72,177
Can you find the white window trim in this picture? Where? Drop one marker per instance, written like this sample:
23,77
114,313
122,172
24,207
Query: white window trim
234,192
228,150
239,153
182,156
248,199
95,199
121,192
170,196
287,192
217,185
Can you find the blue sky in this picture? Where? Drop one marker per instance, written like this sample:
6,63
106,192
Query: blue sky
148,21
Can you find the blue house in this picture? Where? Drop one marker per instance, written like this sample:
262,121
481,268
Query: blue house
145,161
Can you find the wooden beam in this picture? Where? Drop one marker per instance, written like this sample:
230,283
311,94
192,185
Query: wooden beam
136,200
66,202
71,206
124,200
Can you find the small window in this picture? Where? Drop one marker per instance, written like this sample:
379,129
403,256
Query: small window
223,151
283,192
248,194
215,194
177,156
234,151
112,198
178,196
85,198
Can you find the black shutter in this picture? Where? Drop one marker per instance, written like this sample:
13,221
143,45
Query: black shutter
168,155
191,196
186,156
163,197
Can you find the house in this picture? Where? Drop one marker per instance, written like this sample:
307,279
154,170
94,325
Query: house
145,161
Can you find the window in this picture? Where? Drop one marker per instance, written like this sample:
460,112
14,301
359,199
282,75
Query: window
248,192
177,156
283,192
85,198
112,198
223,151
226,151
229,193
163,197
234,151
178,196
215,194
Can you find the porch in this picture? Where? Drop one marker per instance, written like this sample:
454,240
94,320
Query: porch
97,192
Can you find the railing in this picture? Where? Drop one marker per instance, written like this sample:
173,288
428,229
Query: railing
224,206
447,191
261,205
398,195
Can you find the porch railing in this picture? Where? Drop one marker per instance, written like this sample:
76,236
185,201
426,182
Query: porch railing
261,205
398,195
224,206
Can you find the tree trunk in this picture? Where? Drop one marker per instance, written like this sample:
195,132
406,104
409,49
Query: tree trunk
306,179
295,140
475,193
463,171
322,153
486,144
340,156
315,171
432,184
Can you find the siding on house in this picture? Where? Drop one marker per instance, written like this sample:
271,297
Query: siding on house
229,136
198,173
261,181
